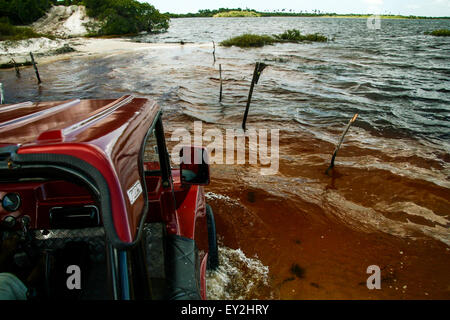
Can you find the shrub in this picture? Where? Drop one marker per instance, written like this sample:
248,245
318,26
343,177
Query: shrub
126,16
24,11
254,40
12,64
294,35
10,32
64,49
289,35
248,40
315,37
439,33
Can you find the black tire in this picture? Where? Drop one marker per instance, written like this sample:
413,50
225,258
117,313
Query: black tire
213,254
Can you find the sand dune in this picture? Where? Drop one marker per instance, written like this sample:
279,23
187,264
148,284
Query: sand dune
65,22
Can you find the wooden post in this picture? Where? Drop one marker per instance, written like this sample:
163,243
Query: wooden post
2,98
16,67
35,68
220,75
340,142
214,52
259,67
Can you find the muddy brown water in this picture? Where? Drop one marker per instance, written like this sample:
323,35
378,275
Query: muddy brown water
318,233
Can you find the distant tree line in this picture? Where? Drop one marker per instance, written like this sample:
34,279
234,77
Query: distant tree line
205,13
114,16
284,13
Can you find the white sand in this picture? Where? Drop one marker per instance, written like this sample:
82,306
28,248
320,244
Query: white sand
65,22
38,45
83,47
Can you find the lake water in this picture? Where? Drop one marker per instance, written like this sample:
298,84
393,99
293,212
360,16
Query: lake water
389,192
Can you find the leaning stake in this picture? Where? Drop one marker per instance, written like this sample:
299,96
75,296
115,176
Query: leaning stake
214,52
35,68
16,67
220,75
1,93
340,142
259,67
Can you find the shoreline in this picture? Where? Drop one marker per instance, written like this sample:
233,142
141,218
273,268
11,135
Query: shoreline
387,17
84,47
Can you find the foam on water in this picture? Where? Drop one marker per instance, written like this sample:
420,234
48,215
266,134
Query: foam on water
237,277
215,196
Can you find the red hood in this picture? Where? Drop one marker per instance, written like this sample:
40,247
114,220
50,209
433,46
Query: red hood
107,134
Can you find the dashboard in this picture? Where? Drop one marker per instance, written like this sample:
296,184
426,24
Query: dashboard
47,205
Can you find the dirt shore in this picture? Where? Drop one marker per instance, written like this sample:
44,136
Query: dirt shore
44,49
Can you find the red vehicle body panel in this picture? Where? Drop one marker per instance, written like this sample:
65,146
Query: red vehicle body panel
107,134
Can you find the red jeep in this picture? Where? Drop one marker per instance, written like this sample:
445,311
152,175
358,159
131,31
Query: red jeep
88,183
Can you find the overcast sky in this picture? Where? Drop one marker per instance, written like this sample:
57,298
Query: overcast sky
404,7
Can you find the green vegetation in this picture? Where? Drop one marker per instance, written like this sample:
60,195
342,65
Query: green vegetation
64,49
11,64
248,40
439,33
234,14
126,16
10,32
315,37
254,40
294,35
23,12
289,35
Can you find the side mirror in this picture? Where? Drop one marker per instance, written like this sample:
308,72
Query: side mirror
194,167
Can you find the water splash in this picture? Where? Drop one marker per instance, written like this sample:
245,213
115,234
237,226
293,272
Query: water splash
238,277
